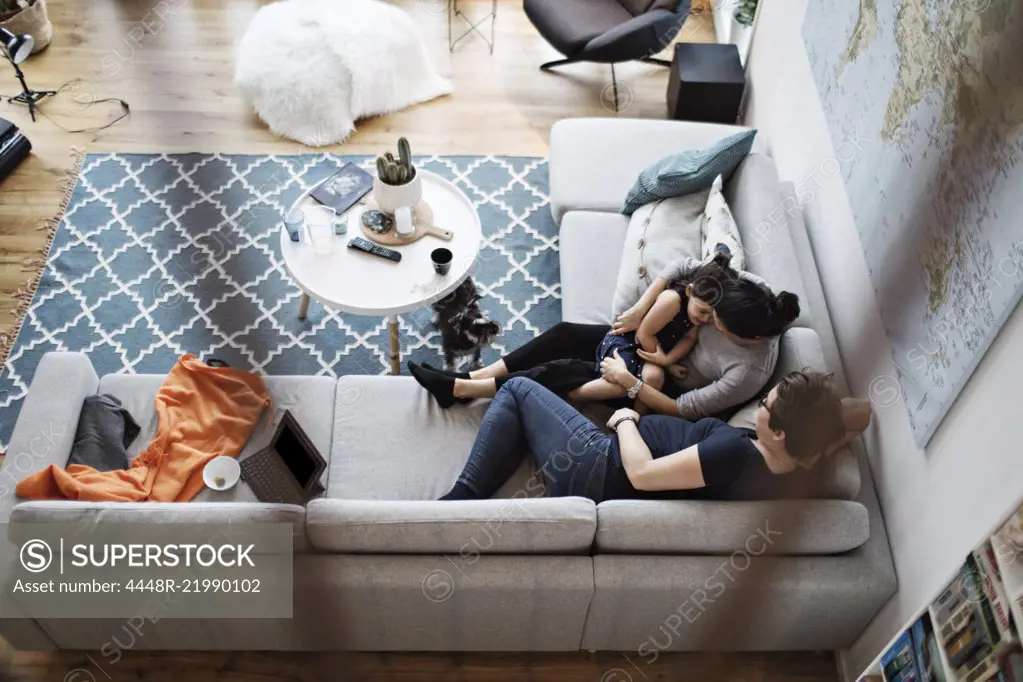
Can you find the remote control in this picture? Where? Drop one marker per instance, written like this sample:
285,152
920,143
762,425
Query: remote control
371,248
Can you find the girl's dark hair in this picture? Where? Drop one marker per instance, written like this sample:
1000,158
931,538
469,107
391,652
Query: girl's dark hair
752,311
711,279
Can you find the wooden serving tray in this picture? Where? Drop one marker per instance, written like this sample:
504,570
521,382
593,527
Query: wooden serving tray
422,219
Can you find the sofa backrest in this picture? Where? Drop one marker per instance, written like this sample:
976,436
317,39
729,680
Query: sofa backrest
468,529
793,527
762,213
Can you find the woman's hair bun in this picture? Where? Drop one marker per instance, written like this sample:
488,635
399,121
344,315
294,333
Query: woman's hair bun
786,307
722,259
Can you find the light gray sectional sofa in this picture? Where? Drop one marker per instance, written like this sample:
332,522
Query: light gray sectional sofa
378,566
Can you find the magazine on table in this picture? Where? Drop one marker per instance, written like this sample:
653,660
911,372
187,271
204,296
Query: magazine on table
343,189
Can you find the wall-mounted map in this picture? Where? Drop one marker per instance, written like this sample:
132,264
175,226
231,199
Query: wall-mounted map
937,193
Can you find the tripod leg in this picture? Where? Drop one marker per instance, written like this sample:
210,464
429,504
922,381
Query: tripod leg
614,84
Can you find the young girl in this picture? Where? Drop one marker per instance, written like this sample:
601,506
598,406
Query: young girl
666,335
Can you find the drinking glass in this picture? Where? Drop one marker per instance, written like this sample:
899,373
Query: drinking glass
320,220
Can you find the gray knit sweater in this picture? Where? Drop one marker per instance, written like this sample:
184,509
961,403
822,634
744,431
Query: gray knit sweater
722,373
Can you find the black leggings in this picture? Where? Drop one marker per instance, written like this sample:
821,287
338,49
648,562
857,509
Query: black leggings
561,359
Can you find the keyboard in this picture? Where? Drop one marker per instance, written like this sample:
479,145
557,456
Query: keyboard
271,480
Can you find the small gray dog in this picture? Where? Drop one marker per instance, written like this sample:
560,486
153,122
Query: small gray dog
464,328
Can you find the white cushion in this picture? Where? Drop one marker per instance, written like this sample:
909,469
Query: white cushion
719,227
659,233
591,251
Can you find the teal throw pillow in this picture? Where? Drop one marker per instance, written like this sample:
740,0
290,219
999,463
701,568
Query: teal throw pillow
688,172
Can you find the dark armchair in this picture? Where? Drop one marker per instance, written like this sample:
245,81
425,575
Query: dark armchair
608,31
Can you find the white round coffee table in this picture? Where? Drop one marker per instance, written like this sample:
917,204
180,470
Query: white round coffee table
362,284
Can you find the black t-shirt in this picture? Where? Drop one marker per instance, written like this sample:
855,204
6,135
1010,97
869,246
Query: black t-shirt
727,456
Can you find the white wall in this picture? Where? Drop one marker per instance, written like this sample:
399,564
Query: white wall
940,502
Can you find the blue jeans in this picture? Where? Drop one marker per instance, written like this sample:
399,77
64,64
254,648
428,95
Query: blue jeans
568,448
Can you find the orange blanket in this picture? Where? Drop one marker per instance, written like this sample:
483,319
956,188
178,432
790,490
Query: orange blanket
203,412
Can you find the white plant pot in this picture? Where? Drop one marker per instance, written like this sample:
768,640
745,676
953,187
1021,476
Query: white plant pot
723,11
399,201
741,36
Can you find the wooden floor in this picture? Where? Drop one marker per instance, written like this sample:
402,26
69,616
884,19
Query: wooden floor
496,667
176,72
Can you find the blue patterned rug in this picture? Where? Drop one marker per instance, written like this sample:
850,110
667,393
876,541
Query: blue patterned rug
161,255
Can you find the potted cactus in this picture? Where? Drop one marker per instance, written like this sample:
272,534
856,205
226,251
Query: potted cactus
397,171
397,188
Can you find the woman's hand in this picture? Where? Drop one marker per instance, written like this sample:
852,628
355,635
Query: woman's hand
658,357
624,413
628,321
678,372
614,370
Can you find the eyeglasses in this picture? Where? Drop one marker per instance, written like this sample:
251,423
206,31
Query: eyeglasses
763,404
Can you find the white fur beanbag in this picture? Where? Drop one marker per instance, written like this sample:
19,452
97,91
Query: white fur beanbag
311,67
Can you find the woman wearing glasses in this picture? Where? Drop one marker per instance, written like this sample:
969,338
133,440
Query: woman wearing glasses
654,456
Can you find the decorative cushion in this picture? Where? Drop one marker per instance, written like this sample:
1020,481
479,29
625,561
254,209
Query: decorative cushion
658,234
719,227
689,171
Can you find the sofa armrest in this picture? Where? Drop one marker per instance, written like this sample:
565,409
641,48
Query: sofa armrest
46,425
595,161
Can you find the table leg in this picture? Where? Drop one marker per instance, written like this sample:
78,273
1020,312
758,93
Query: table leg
303,306
392,324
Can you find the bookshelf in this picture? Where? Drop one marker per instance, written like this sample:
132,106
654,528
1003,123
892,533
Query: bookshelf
971,630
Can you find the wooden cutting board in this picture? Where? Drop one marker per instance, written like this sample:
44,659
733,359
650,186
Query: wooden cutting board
422,219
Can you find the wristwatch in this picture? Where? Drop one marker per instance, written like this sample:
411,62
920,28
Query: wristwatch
634,391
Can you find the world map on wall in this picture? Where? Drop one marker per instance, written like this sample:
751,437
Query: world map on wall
925,100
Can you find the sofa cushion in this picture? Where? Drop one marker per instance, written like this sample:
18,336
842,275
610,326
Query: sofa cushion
511,526
760,211
96,513
392,442
705,527
688,171
594,161
659,233
591,247
309,399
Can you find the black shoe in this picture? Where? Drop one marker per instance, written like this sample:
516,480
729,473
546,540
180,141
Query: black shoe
446,372
441,387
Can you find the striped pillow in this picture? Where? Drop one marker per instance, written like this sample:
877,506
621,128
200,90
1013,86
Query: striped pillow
688,172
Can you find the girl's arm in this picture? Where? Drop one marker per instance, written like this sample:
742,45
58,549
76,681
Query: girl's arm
678,471
630,320
684,346
664,310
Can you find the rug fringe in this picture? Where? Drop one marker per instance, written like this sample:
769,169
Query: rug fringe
25,294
